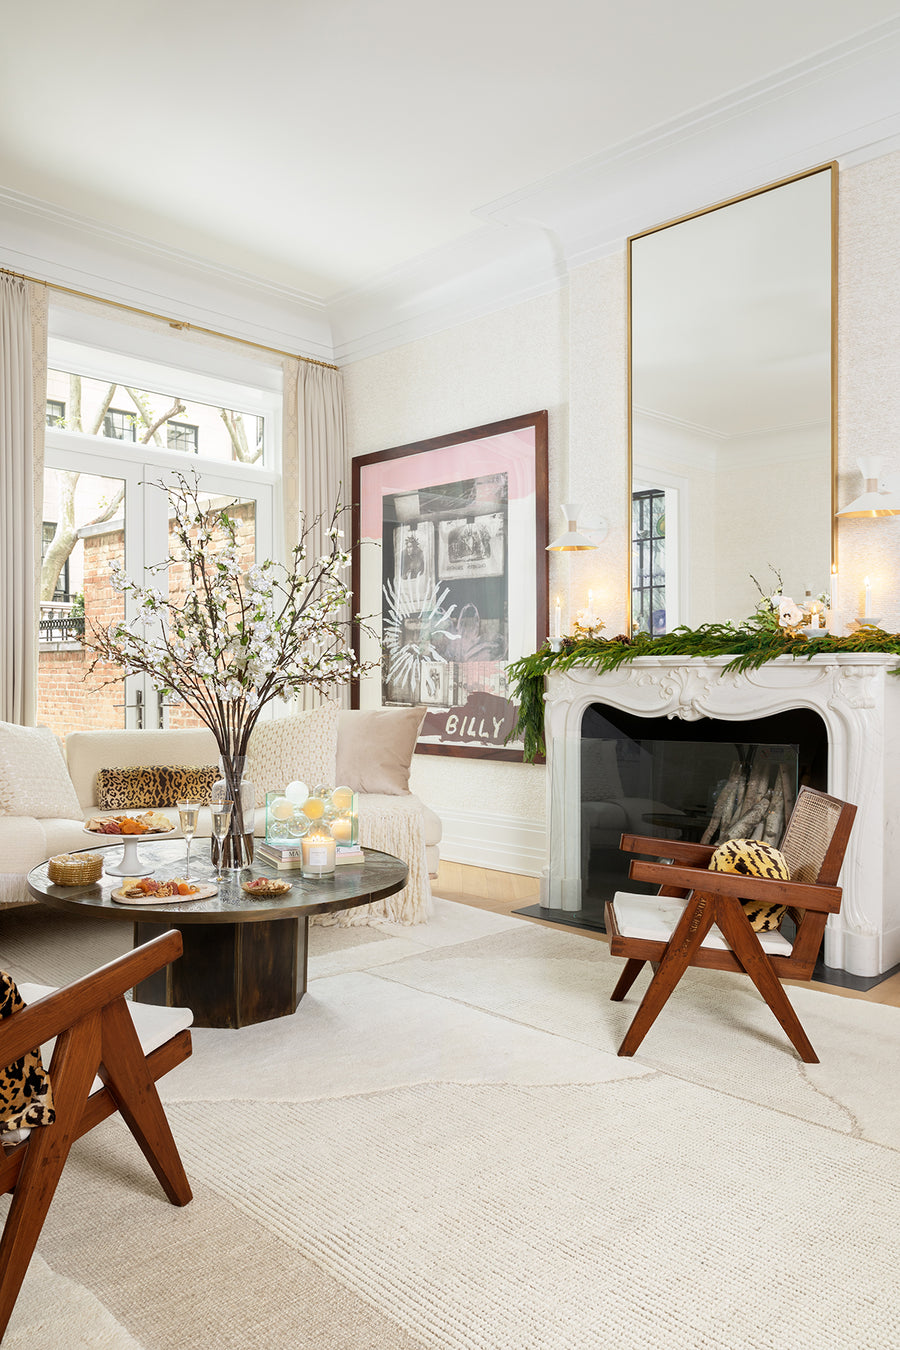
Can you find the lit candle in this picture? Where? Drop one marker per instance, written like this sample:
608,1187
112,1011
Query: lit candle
557,619
342,829
868,609
834,586
317,853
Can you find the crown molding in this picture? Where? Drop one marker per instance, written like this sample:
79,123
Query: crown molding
66,249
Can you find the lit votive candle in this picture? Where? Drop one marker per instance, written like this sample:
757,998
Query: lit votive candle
317,854
342,830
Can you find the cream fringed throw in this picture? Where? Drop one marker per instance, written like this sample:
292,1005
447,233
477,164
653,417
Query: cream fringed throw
393,825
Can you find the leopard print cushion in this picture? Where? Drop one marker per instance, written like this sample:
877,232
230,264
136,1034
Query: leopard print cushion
25,1095
753,858
154,785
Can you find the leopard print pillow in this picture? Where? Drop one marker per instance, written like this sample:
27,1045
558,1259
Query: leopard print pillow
25,1095
154,785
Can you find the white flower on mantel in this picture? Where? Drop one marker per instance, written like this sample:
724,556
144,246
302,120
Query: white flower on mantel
789,615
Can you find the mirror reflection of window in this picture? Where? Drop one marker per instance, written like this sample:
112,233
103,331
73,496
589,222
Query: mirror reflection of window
648,570
731,379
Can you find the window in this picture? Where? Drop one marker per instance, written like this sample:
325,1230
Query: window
56,412
182,436
120,425
648,550
211,418
106,494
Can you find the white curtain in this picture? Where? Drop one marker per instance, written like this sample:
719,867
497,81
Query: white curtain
315,464
23,393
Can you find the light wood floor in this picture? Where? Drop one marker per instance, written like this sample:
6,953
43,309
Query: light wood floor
504,892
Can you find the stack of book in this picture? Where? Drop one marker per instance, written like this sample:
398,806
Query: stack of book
285,857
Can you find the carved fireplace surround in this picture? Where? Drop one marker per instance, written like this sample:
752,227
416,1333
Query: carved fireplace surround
858,701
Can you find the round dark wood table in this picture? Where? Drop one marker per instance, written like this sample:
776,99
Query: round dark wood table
245,957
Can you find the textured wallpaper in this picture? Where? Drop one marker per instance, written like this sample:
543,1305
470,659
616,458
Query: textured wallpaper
512,362
869,377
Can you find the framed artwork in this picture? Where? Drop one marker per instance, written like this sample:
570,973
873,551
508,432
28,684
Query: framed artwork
451,573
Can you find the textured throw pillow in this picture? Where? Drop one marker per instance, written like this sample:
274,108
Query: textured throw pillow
753,858
375,748
34,780
154,785
600,781
301,746
25,1096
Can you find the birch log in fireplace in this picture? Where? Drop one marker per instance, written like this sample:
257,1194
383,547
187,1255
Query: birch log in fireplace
858,702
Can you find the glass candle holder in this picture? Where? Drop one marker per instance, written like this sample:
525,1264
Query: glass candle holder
317,851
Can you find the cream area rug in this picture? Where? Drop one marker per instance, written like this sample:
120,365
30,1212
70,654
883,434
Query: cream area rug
440,1149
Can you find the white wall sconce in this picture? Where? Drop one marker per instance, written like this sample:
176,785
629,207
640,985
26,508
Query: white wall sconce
874,501
572,540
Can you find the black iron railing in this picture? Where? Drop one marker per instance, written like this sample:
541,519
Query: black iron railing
58,624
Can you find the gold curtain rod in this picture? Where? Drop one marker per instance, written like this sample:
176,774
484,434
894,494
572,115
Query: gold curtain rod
181,325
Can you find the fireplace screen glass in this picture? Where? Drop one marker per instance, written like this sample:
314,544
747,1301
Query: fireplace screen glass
702,782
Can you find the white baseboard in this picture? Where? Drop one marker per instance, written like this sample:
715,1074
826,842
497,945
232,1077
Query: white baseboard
504,843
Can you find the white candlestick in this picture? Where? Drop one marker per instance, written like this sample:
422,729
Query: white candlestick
557,619
868,609
834,587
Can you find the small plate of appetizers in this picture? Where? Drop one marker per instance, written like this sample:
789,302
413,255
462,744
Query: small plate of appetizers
146,891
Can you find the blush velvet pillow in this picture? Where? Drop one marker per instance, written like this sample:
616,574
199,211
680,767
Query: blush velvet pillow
375,748
34,780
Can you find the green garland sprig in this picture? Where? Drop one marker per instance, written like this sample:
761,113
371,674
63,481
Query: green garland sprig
749,646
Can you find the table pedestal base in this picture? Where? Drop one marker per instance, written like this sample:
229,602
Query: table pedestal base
231,974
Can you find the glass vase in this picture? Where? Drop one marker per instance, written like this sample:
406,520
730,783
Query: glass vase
234,786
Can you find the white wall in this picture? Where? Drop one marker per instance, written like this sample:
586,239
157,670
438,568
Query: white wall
512,362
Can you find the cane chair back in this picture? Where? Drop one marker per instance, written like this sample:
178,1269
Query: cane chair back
811,845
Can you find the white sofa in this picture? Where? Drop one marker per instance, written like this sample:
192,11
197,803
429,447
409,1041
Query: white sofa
395,821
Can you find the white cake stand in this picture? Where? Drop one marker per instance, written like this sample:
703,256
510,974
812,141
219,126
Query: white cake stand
130,864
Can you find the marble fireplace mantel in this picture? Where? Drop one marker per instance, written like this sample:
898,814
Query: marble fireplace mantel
859,703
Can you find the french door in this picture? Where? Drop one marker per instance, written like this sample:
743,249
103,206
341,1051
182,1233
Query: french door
113,506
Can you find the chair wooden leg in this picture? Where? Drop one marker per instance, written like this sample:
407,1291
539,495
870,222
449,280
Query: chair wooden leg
125,1073
743,942
72,1070
631,970
692,927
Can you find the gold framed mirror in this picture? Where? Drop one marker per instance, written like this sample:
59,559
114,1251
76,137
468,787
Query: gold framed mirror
732,315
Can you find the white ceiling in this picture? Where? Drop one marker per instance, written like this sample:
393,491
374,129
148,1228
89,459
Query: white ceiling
320,146
359,165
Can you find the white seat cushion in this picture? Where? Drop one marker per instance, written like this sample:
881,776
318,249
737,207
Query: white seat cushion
154,1025
655,917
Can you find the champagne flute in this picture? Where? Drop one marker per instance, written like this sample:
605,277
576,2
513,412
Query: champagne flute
188,815
221,819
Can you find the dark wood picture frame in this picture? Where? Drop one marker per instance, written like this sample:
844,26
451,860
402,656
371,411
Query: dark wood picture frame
445,531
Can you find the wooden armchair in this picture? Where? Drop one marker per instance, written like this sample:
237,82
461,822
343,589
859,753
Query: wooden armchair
95,1034
674,929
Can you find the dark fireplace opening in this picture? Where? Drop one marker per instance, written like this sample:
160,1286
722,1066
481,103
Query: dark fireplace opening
702,781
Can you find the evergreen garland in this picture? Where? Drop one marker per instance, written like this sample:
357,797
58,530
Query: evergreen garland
749,646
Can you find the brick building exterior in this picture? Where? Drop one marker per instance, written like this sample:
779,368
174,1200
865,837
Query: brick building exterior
69,697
